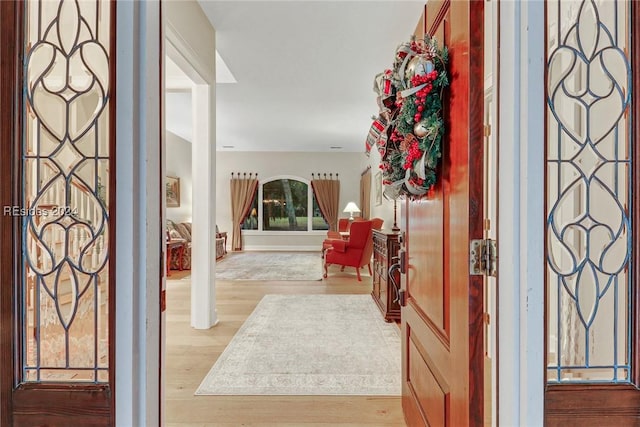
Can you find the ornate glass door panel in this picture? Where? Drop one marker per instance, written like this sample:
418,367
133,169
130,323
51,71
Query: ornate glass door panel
66,176
589,186
589,195
61,212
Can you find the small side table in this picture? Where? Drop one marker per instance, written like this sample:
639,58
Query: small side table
178,246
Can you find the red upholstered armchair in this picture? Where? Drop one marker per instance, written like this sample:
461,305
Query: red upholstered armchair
343,225
352,252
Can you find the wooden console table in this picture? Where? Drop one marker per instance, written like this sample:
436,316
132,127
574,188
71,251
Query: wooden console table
385,248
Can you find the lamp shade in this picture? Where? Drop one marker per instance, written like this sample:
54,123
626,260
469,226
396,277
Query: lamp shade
351,208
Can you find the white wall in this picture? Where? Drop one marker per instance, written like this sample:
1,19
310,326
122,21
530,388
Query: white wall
178,155
385,210
191,35
191,43
349,166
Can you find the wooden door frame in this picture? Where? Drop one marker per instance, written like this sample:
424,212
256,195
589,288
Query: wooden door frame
40,402
9,100
495,111
492,403
585,402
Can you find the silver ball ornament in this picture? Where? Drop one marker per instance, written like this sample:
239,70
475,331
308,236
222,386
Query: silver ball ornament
420,129
418,66
428,66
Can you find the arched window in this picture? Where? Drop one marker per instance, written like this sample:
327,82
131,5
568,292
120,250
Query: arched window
285,203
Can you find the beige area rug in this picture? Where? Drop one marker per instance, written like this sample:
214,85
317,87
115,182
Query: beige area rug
270,266
310,345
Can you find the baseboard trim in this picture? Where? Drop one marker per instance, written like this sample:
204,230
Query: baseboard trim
296,248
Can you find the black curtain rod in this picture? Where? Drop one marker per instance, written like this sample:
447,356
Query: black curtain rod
321,175
244,175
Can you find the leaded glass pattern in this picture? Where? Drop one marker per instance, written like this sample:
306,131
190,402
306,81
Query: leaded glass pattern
589,191
65,204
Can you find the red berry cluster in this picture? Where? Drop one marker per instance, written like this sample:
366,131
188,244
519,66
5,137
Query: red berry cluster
416,181
413,153
395,136
385,166
416,47
421,95
399,101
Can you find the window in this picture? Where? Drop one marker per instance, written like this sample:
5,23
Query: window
251,221
285,204
318,221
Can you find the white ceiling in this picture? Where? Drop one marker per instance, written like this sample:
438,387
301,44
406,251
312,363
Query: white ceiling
304,70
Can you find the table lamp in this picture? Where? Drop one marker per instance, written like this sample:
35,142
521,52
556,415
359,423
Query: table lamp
351,208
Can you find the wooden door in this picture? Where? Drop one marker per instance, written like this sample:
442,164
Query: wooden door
57,135
442,325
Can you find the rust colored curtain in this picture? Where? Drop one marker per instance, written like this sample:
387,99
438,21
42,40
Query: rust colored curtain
327,192
243,190
365,194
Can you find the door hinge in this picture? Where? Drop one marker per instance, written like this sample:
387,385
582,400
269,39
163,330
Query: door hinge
487,130
483,257
402,297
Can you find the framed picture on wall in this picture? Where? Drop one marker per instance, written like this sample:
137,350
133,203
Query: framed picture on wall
378,185
173,192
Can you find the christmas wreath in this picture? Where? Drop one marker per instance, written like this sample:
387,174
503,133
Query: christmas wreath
409,129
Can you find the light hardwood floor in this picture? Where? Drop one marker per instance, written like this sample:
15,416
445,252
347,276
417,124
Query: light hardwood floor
190,354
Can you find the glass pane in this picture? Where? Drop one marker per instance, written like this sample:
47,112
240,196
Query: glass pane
589,191
251,221
284,205
65,201
318,220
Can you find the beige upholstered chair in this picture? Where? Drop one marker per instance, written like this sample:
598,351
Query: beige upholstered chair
221,243
180,230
